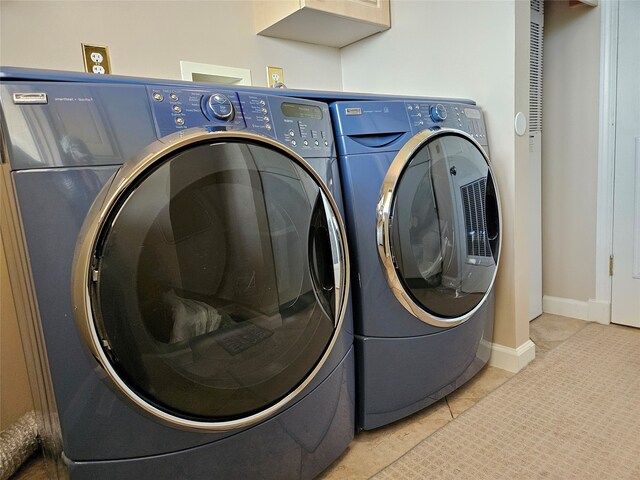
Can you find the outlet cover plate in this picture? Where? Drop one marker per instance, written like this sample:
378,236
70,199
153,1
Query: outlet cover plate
96,59
275,75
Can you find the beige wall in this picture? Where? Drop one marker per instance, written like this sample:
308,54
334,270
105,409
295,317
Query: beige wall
480,55
15,396
570,149
149,38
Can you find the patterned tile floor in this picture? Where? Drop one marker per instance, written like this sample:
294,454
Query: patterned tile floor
373,450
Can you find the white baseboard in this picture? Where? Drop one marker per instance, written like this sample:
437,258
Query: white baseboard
512,359
591,311
599,311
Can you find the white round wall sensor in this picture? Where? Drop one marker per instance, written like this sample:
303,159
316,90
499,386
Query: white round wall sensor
520,123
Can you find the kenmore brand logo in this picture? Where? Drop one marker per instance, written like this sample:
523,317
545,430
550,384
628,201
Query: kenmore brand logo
22,98
353,111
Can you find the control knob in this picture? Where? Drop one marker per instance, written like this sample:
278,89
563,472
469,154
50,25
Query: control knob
220,107
438,112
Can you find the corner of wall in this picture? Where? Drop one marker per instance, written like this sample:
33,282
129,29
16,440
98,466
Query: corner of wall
512,359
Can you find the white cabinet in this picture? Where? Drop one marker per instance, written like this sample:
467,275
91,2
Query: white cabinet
334,23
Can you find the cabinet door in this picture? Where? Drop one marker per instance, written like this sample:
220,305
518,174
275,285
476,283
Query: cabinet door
310,20
374,11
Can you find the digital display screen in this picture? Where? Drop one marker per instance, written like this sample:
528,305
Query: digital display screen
300,110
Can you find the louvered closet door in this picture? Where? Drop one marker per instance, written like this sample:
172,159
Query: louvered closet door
439,227
535,159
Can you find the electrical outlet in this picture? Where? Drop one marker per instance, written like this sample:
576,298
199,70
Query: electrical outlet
96,59
275,76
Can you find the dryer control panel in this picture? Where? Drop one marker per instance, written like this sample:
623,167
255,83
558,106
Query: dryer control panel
384,126
302,125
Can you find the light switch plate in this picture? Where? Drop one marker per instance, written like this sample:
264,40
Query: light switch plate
96,59
275,76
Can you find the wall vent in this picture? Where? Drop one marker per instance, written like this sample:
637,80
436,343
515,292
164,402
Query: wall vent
537,6
535,66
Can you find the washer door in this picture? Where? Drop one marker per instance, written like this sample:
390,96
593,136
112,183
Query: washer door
438,227
211,278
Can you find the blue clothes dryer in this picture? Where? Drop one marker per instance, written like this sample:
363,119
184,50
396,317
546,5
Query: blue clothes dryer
423,221
182,277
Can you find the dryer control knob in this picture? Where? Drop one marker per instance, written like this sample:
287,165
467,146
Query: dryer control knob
220,107
438,112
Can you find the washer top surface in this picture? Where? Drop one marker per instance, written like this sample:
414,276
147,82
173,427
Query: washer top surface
8,73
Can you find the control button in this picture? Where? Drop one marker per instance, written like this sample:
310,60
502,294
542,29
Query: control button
158,97
264,110
174,97
317,143
294,143
262,102
266,119
419,115
292,133
417,107
268,126
179,121
409,108
420,123
220,107
326,144
176,109
438,112
305,143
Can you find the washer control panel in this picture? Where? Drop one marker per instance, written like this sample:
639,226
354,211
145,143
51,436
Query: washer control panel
459,116
302,125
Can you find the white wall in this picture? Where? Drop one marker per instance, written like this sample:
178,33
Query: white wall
570,149
467,49
149,38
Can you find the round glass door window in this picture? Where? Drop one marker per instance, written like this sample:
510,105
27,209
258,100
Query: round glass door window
439,226
216,285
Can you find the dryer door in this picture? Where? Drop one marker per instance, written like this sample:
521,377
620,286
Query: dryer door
210,280
438,227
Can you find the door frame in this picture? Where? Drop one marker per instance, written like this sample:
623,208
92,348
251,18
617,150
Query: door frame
606,150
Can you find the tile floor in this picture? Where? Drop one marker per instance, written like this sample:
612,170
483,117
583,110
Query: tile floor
373,450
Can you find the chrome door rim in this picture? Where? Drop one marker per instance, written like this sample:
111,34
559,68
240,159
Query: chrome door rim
383,226
94,224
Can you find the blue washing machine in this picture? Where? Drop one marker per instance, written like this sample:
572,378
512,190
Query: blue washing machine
423,221
182,277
